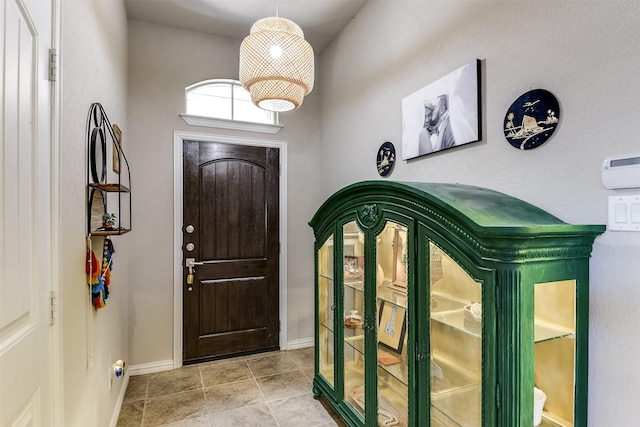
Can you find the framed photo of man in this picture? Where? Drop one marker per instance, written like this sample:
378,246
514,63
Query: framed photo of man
443,114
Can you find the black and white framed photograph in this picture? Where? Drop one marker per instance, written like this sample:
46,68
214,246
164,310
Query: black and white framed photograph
444,114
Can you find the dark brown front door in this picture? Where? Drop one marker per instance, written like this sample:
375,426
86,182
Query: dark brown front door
231,202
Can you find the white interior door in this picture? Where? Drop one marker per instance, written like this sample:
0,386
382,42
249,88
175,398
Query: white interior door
26,212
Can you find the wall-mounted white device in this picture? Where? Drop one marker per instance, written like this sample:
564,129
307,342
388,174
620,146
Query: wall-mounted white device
621,171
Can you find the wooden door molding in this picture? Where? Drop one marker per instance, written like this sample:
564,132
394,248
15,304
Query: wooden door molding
179,137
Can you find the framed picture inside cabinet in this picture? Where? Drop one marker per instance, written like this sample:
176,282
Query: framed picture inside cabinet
444,114
392,325
116,153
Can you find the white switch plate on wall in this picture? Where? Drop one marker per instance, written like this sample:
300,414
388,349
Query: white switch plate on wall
624,213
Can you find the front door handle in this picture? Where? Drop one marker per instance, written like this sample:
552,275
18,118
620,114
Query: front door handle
191,262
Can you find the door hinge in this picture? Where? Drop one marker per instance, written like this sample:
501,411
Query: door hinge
53,308
497,396
497,298
53,65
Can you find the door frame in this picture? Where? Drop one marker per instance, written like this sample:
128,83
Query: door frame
56,302
178,138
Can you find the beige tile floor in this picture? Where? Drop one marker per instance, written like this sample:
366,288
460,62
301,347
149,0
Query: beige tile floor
268,389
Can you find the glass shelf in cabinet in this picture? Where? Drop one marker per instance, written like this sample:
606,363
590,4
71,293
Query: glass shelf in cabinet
355,285
462,408
443,302
547,332
392,296
457,320
551,420
328,327
453,378
399,371
356,342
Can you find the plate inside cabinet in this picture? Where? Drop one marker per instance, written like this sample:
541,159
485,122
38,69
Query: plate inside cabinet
531,119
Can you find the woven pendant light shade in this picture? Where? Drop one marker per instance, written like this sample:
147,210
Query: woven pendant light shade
276,64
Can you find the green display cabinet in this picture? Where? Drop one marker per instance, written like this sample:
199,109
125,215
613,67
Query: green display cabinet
450,305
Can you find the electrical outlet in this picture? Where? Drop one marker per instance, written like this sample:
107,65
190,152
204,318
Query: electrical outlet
116,371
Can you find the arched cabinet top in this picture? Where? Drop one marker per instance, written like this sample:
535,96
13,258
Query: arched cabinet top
492,224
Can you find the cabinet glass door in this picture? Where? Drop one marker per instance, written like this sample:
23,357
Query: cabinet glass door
391,303
456,343
326,306
555,353
353,304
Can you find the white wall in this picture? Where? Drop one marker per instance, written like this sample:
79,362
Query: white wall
162,62
583,52
93,69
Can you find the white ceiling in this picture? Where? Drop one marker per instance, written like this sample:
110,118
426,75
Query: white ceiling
320,20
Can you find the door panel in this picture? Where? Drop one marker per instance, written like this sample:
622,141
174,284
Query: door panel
25,213
231,200
233,212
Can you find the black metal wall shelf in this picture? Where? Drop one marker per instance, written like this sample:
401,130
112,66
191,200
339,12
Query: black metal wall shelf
108,187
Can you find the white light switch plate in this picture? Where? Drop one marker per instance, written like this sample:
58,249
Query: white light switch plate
624,213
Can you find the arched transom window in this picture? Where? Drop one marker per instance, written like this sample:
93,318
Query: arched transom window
225,99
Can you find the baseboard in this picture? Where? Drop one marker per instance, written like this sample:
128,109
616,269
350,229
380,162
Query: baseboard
167,365
123,389
150,368
302,343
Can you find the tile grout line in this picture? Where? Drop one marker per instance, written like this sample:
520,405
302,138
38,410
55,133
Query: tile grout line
146,397
263,395
264,398
204,397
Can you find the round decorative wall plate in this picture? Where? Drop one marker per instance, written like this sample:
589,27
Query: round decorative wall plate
531,119
386,158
